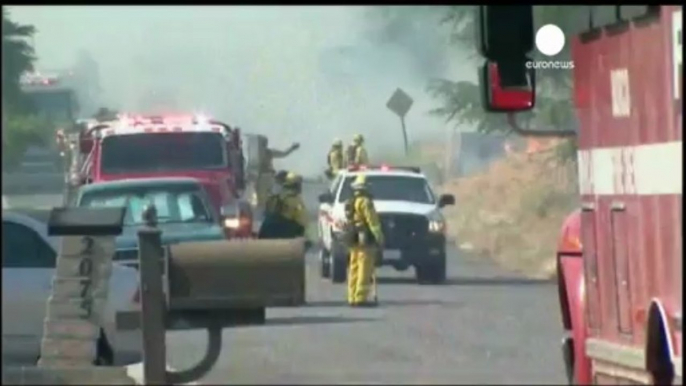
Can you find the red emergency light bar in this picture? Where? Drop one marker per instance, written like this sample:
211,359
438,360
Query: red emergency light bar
136,120
384,168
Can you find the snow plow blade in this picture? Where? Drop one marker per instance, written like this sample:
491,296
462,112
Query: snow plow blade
235,274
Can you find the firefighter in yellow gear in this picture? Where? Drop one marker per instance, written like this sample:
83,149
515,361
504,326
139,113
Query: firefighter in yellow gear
365,246
265,177
350,155
285,214
335,159
360,154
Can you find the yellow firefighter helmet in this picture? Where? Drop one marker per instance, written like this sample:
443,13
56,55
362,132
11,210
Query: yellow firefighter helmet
292,180
360,182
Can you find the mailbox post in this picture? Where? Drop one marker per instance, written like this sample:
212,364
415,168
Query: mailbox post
81,283
152,300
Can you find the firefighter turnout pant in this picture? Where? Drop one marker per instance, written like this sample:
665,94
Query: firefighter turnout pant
361,267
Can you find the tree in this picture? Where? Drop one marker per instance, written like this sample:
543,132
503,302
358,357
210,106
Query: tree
18,133
17,58
19,128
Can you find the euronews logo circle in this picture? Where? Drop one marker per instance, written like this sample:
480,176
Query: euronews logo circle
550,41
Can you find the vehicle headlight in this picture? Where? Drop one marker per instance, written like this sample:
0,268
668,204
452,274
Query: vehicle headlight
436,222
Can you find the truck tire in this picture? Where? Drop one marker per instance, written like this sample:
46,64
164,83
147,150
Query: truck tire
432,271
338,262
338,270
325,263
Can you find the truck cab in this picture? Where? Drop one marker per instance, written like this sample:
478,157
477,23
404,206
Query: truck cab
134,147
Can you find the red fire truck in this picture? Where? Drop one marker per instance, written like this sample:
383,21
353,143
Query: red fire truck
620,255
168,146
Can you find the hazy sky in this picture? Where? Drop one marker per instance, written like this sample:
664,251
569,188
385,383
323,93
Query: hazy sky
303,74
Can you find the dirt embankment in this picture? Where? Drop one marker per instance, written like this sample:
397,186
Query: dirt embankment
513,211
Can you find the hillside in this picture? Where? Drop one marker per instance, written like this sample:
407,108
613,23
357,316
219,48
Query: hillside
512,212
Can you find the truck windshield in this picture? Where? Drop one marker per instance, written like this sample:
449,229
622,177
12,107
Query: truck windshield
163,152
173,204
393,188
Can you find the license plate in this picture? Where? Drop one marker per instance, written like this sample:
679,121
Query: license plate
391,254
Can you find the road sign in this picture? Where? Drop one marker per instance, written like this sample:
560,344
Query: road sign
400,103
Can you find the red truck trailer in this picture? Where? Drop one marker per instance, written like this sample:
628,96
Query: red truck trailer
620,255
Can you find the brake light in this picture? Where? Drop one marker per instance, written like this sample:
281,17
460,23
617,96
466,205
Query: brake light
385,168
232,223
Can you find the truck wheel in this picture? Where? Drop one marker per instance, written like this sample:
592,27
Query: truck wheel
432,272
339,268
325,263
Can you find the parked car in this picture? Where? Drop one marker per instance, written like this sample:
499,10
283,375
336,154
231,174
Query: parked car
28,266
183,206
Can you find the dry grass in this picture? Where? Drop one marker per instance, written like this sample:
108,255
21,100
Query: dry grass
513,211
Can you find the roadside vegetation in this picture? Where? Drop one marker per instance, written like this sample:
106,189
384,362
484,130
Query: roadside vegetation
21,127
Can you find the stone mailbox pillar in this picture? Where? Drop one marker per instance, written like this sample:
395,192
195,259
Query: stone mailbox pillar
80,285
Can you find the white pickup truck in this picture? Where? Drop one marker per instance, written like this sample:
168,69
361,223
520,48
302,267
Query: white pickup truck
410,215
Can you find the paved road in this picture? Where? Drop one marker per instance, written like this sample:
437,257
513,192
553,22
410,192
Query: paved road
483,327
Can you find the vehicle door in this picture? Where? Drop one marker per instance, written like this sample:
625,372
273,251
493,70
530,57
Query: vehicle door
236,159
326,213
28,265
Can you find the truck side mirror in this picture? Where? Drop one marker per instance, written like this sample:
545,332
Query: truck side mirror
505,31
498,97
505,36
445,200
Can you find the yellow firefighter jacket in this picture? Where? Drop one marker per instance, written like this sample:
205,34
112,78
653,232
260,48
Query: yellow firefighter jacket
365,217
